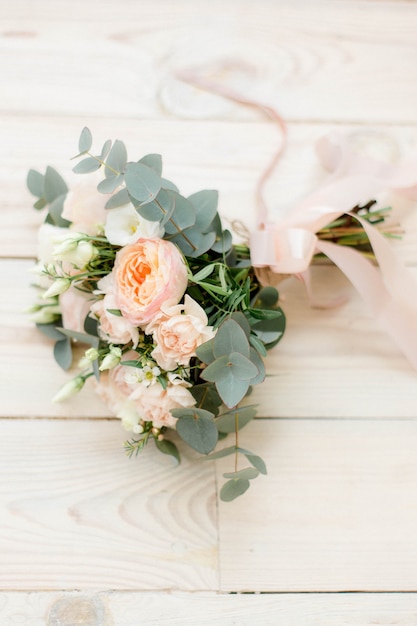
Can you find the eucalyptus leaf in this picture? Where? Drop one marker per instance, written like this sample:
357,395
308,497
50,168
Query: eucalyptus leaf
270,331
259,364
241,319
182,217
266,297
197,428
205,204
119,199
55,210
230,373
54,185
105,149
168,447
205,352
221,453
81,337
206,397
116,160
63,353
40,204
230,337
160,209
169,185
85,141
226,423
86,166
110,184
255,460
154,161
223,242
234,488
142,182
248,472
51,330
34,182
91,326
257,344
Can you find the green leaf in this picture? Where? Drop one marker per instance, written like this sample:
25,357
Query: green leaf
233,489
270,331
142,182
230,373
54,185
40,204
85,141
248,472
117,159
34,182
160,209
154,161
259,364
206,397
91,326
257,344
82,337
226,423
267,297
205,204
205,352
63,353
169,185
55,212
230,337
119,199
193,243
182,217
221,453
241,319
110,184
255,460
51,330
197,428
223,242
204,273
116,312
167,447
105,149
86,166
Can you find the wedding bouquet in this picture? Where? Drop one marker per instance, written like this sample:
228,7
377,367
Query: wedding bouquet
175,320
172,314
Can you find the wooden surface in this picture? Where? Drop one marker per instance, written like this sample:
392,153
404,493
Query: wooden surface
89,537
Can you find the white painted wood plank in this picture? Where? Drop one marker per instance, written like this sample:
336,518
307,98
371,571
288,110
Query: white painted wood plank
229,157
76,513
336,512
335,60
330,363
205,609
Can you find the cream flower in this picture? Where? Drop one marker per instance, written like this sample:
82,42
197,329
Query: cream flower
124,225
178,332
84,208
148,274
154,403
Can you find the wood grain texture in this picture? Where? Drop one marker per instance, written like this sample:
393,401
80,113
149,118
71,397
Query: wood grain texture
335,512
206,609
77,513
349,61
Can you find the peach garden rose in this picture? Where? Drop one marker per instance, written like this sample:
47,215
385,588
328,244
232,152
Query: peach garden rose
146,275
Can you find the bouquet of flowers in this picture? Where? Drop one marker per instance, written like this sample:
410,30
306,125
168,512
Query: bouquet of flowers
173,317
175,320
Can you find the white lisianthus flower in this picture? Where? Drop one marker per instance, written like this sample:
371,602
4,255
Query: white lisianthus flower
124,225
74,249
69,389
58,286
112,358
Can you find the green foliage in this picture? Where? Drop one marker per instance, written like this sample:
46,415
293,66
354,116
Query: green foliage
168,447
197,428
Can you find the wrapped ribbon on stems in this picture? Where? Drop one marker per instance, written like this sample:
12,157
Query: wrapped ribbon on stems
289,246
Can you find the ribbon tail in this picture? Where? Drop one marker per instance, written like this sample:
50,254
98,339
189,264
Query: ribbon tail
397,317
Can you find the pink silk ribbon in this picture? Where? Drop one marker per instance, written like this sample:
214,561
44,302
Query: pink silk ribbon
288,247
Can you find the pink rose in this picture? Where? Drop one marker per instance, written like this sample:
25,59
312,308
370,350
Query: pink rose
148,274
113,328
154,403
74,306
178,332
112,390
84,207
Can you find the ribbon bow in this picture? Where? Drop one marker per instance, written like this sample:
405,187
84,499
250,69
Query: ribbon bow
287,247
